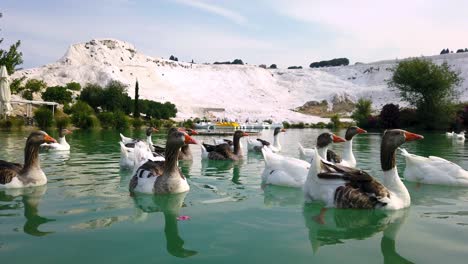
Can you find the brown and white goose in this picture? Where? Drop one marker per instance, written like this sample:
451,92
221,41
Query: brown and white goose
15,175
223,151
257,145
344,187
162,177
185,152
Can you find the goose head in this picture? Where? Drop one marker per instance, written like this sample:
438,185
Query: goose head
391,140
278,130
353,131
63,132
325,139
151,130
179,138
239,134
36,138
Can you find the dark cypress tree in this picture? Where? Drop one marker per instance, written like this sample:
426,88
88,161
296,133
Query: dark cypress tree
136,111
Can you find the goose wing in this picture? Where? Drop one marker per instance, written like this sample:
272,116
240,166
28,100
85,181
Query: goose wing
333,156
8,171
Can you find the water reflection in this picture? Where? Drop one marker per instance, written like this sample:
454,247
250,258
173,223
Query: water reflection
170,206
30,198
339,226
282,196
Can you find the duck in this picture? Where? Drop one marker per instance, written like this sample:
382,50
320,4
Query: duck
15,175
323,141
449,134
291,172
344,187
433,170
163,177
223,151
460,136
130,142
257,145
62,144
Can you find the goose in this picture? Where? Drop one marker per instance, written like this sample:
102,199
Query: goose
449,134
323,141
223,151
185,152
163,177
433,170
348,158
257,145
130,142
343,187
62,144
15,175
291,172
460,136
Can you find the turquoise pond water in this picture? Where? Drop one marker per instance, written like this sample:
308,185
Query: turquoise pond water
86,215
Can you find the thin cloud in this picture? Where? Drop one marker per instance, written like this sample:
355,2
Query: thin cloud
217,10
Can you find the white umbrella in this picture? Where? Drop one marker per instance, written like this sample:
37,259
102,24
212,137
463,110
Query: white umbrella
5,92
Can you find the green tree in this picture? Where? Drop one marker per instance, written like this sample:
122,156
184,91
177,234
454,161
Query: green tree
74,86
115,98
92,94
57,94
428,87
335,120
43,117
11,58
136,109
362,112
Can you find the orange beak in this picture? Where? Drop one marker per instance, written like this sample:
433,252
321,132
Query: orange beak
155,130
245,134
193,132
189,140
412,136
337,139
49,139
361,131
283,130
69,131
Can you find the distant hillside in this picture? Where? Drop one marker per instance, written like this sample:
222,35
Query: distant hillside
244,91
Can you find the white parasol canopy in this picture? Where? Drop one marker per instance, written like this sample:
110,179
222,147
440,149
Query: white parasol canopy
5,92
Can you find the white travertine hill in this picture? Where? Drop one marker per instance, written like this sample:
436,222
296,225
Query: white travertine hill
244,91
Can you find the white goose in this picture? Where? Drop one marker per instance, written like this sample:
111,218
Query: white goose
343,187
62,144
348,158
433,170
323,141
257,145
460,136
291,172
131,141
449,134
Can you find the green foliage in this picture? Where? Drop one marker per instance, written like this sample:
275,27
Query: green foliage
107,119
188,123
15,85
298,125
330,63
157,110
137,122
362,112
294,67
61,119
136,108
236,61
155,123
273,66
408,118
82,115
44,117
92,95
73,86
11,58
57,94
27,94
32,86
286,124
121,120
335,121
390,116
428,87
115,98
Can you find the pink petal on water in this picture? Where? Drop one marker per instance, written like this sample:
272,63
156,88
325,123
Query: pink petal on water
183,217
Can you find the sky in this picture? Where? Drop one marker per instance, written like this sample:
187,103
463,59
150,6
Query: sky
284,32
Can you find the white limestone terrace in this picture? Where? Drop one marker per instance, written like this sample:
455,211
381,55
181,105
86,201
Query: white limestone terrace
244,91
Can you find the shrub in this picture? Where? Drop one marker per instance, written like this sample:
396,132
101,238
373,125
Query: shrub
61,119
298,125
286,124
106,119
137,122
6,124
155,123
329,63
294,67
188,123
408,118
273,66
15,85
44,117
74,86
82,115
121,120
57,94
390,116
35,85
92,95
362,112
335,121
27,94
